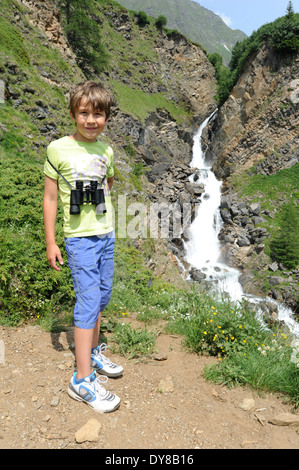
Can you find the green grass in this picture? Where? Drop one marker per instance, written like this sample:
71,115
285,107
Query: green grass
140,104
247,352
272,192
12,42
133,343
269,188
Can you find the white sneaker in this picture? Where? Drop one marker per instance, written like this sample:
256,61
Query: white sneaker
103,364
91,391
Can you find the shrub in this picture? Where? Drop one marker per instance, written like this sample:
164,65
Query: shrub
142,18
161,21
285,245
84,36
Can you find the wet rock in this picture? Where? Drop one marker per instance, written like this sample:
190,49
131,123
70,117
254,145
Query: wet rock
197,275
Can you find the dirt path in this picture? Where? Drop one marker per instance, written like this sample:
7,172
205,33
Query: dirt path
181,412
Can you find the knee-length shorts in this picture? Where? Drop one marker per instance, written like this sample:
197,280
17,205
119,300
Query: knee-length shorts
91,260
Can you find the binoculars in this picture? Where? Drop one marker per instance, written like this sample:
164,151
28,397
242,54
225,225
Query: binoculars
88,194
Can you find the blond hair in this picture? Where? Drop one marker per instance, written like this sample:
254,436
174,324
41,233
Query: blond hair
99,97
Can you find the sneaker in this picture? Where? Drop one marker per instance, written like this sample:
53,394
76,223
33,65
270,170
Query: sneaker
91,391
103,364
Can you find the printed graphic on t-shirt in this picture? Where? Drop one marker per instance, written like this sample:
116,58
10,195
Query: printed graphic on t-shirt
89,167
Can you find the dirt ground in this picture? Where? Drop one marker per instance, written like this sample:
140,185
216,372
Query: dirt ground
166,403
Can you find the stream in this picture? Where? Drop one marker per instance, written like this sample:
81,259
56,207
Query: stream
202,250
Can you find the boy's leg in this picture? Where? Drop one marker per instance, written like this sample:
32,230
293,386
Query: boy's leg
82,258
83,344
96,332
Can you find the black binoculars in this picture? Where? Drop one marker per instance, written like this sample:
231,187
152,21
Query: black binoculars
85,195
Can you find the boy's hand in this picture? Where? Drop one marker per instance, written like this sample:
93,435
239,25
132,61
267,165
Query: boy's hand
53,253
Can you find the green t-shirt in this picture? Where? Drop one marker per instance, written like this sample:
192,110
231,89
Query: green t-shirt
83,161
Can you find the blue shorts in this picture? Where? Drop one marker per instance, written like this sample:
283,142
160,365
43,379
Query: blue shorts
91,260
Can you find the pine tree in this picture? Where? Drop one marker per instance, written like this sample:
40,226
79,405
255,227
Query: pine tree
84,36
290,11
285,246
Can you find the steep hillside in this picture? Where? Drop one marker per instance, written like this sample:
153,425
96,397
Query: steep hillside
194,21
255,149
164,85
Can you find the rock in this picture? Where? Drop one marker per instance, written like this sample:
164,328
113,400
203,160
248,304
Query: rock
197,275
243,241
55,401
166,385
89,432
285,419
255,208
247,404
161,356
273,267
276,280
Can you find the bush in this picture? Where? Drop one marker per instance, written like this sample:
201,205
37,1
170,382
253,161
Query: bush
84,36
142,18
134,343
285,245
161,21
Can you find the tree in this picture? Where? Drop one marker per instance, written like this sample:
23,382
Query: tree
83,34
285,246
161,21
142,18
290,11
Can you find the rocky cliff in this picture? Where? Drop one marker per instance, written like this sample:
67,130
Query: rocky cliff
175,68
257,125
256,133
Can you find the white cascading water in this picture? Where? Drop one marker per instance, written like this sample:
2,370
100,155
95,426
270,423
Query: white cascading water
203,248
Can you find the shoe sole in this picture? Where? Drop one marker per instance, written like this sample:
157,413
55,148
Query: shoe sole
108,374
78,398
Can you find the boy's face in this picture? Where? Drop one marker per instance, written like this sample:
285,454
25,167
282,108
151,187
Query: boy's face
89,122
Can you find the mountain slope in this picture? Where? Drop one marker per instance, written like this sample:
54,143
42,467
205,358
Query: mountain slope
194,21
161,84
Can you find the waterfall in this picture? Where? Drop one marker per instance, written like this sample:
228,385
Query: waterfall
202,250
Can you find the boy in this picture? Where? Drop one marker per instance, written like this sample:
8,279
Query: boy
89,235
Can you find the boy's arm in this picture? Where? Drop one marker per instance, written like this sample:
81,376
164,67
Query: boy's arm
50,211
110,182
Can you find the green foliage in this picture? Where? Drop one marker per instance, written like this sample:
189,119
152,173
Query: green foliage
142,18
12,42
218,328
222,74
133,343
130,150
267,366
246,351
138,169
139,103
285,245
84,36
161,21
29,289
269,190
